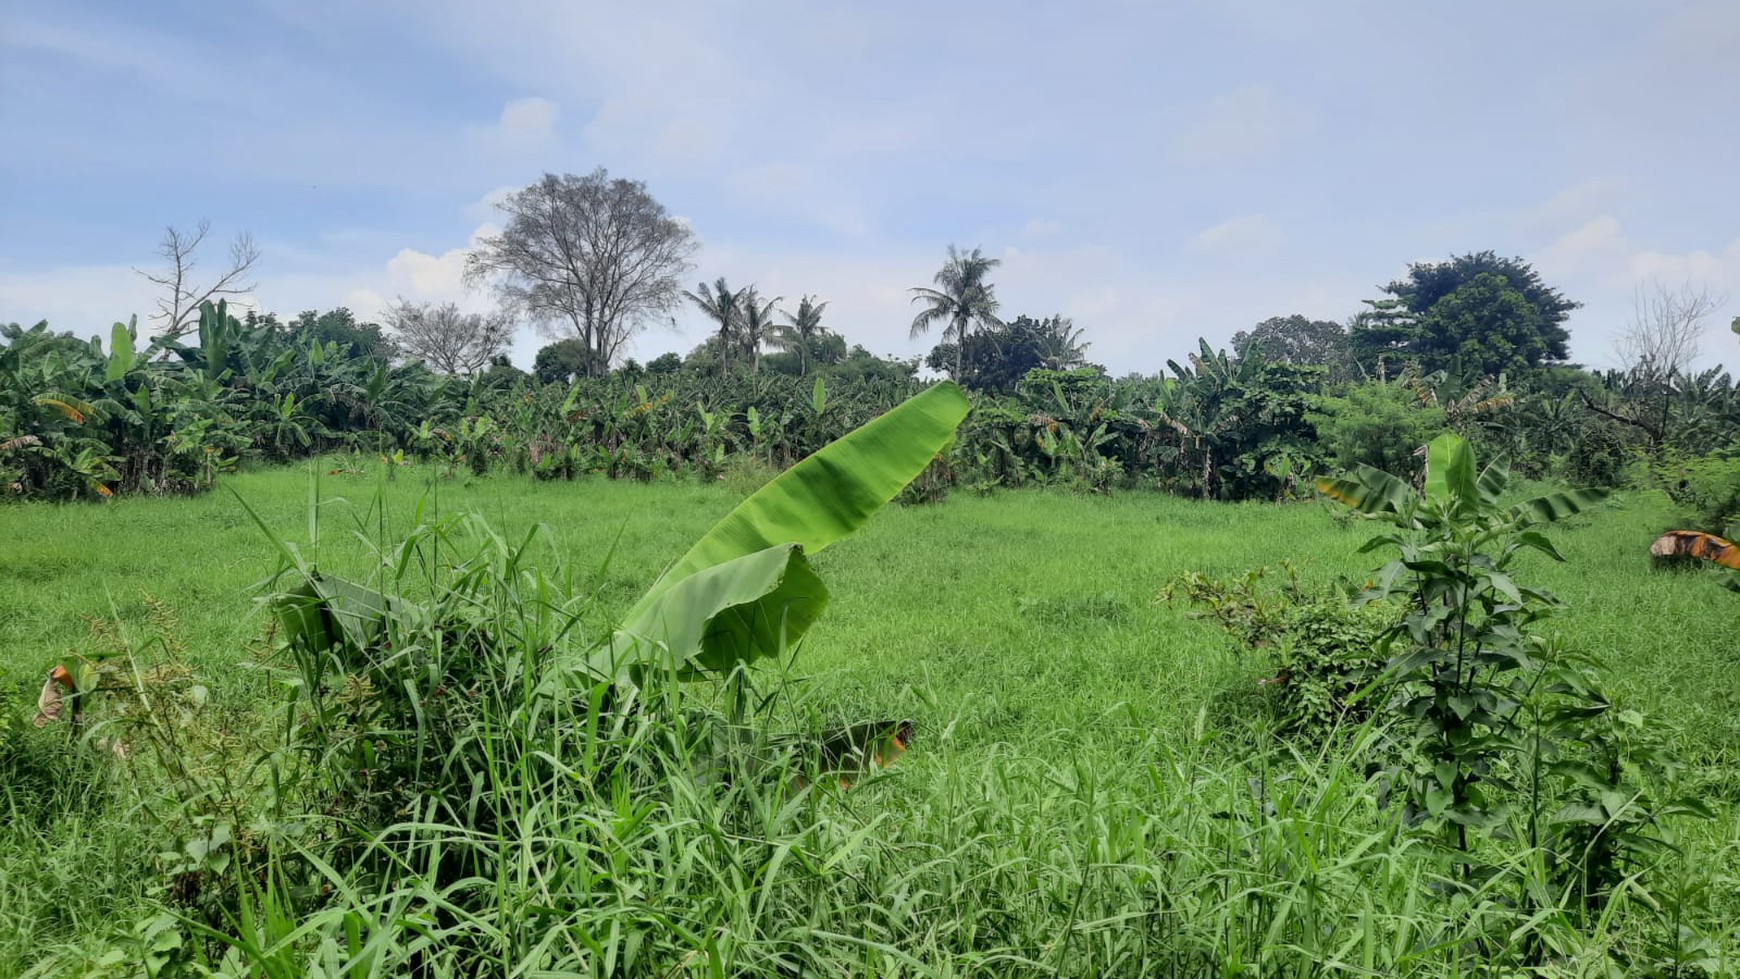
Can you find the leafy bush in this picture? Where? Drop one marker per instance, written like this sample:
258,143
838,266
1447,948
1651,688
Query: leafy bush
1598,455
1502,725
1323,650
1705,487
1328,652
1378,425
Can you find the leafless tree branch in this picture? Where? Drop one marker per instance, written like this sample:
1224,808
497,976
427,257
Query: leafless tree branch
448,340
1663,338
178,307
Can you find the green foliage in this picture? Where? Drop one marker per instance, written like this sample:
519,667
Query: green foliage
1323,651
1374,424
1298,340
1706,488
563,361
1233,420
339,326
745,590
1476,314
999,355
963,300
171,417
1598,455
1072,752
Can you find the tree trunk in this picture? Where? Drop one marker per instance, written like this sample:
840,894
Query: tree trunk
961,353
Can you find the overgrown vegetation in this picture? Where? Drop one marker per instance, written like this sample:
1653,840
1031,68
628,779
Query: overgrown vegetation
1067,776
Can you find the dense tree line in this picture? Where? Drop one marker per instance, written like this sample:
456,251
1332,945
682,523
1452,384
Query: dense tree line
1474,345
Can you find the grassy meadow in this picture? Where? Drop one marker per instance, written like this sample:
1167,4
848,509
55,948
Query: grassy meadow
1093,789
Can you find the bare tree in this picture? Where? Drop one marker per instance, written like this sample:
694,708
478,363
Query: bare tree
448,340
178,309
599,255
1666,326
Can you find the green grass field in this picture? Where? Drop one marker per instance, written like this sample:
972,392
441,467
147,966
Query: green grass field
1078,799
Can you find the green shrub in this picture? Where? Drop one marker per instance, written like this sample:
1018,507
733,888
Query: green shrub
1326,653
1598,455
1705,487
1378,425
1322,649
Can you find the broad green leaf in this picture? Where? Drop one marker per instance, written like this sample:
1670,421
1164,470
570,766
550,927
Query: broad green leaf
819,395
833,492
1539,541
1438,799
1503,584
1450,476
731,613
1367,490
120,353
1557,506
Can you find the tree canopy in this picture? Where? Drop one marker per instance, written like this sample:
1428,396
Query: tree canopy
562,361
600,255
448,339
1474,314
1297,340
998,357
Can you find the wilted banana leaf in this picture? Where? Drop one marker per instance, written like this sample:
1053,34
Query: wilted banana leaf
1367,490
324,613
744,609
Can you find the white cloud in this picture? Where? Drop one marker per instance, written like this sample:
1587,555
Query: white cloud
1602,266
1573,206
1249,236
1597,242
525,126
1040,228
1241,126
1721,268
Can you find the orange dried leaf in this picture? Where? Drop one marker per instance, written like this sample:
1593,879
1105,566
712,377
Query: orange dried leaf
1696,544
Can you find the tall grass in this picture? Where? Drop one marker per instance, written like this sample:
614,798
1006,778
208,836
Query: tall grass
1094,790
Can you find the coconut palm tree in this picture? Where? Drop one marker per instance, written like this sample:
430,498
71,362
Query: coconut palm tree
755,325
962,299
725,308
800,330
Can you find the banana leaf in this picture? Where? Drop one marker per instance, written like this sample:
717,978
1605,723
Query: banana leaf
719,617
1557,506
1367,490
326,613
1450,475
744,609
120,353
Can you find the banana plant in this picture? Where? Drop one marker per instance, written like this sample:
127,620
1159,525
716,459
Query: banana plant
744,591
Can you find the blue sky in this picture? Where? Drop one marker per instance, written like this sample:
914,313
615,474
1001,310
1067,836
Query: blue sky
1158,171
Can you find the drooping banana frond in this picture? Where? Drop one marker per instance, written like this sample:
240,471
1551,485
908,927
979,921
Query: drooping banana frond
73,408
